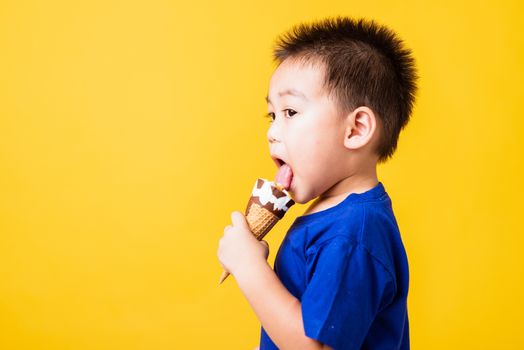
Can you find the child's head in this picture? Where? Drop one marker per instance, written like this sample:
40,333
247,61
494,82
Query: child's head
341,93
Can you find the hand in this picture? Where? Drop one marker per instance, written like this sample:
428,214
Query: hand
239,248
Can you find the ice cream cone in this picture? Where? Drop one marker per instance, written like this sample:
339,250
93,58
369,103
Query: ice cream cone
268,203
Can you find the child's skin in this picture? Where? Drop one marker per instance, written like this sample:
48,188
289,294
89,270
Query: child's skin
331,156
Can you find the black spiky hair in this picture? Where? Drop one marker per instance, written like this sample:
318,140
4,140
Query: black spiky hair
365,64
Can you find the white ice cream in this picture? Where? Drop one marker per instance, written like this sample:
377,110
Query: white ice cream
265,195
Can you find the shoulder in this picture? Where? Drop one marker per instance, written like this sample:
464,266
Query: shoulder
339,249
370,226
342,264
338,225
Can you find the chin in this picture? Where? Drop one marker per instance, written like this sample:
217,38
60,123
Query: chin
300,198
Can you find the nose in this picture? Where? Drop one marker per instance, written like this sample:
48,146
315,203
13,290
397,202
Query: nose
273,133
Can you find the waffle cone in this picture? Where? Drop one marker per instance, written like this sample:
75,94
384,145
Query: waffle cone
260,220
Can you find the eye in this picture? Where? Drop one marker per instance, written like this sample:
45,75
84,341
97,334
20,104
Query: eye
270,116
290,111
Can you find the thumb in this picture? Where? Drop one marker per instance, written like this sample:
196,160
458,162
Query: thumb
239,220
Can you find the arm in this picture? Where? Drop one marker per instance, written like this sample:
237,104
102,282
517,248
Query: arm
278,310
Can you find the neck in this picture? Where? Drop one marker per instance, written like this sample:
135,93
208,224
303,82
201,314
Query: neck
354,183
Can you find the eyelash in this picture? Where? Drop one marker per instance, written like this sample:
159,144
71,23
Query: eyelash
271,115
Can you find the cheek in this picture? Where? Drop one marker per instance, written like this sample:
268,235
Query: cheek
318,159
309,160
307,148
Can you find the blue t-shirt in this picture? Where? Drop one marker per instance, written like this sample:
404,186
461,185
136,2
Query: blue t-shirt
348,267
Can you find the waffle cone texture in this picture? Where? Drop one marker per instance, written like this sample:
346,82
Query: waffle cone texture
260,220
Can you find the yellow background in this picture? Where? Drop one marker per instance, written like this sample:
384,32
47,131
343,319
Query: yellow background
129,131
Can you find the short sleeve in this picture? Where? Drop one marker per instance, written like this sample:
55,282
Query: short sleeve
347,287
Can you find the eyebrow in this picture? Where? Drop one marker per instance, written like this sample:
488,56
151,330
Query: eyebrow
291,92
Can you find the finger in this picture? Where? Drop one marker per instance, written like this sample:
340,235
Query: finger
239,220
227,228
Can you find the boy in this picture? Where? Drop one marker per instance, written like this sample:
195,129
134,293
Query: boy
338,99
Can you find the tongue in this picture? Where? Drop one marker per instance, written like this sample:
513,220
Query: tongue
284,176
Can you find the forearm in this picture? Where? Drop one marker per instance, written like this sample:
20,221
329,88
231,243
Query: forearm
278,310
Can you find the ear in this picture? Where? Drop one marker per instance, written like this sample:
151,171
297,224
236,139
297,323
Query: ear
361,125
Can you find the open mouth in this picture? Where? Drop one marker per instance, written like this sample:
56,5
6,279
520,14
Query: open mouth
284,174
279,162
